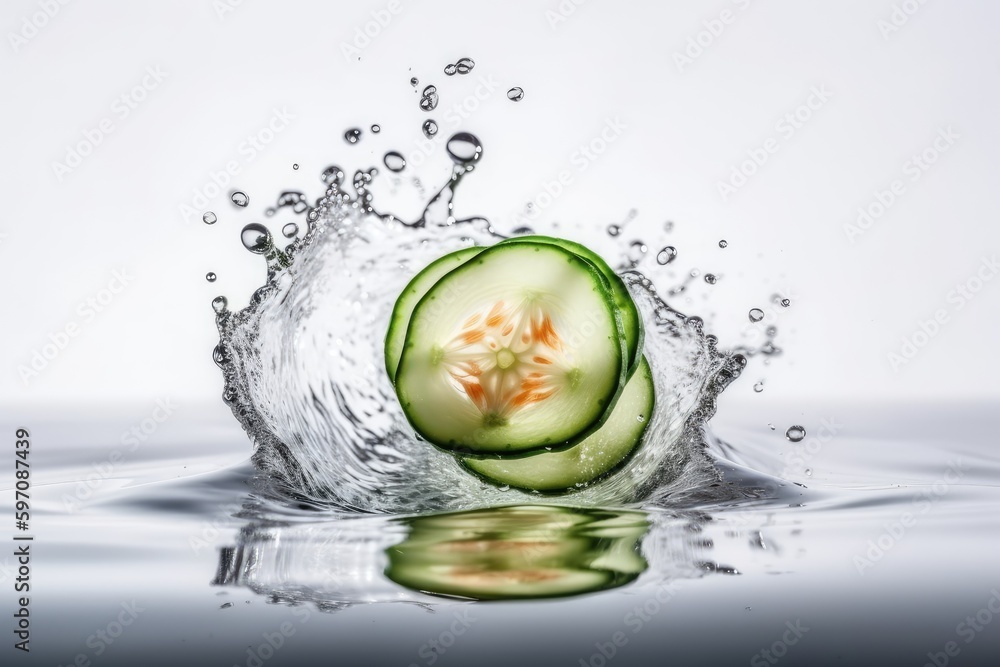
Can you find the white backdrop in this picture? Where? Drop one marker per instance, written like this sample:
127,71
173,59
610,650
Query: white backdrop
162,95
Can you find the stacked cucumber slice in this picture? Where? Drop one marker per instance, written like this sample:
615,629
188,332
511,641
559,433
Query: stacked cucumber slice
525,360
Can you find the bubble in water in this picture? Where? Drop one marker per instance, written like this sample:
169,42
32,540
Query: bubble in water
515,94
430,128
209,218
667,255
756,315
464,148
295,166
414,81
464,65
376,129
353,135
210,277
240,198
723,243
394,161
795,433
450,70
256,238
219,304
290,230
429,98
759,387
332,175
711,279
785,303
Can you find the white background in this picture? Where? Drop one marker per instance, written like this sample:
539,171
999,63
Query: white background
686,127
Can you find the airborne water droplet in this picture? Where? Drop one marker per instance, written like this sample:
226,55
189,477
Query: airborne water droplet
464,148
209,218
430,128
256,238
515,94
414,82
429,98
219,304
464,65
290,230
240,198
394,161
450,70
795,433
711,279
376,129
332,175
667,255
614,230
210,277
352,136
785,303
771,426
295,166
756,315
723,243
759,387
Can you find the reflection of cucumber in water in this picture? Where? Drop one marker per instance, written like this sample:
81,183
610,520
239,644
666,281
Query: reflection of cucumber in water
522,349
519,552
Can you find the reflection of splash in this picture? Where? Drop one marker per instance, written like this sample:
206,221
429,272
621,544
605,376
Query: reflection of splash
524,551
303,368
342,561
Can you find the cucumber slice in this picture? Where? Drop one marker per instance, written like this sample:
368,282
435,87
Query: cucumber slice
596,456
412,293
631,320
520,348
518,552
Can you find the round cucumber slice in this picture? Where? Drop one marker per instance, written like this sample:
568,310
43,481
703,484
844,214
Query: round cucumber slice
518,349
412,293
631,320
596,456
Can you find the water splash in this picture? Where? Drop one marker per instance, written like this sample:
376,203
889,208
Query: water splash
303,364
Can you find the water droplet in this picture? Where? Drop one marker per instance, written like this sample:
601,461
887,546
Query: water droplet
353,135
515,94
759,387
295,166
450,70
332,175
464,65
668,226
376,129
209,218
667,255
256,238
809,472
747,608
711,279
394,161
640,418
771,332
414,82
226,605
785,303
210,277
756,314
723,243
638,247
795,433
429,98
505,487
464,148
219,304
430,128
240,198
614,230
290,230
771,426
